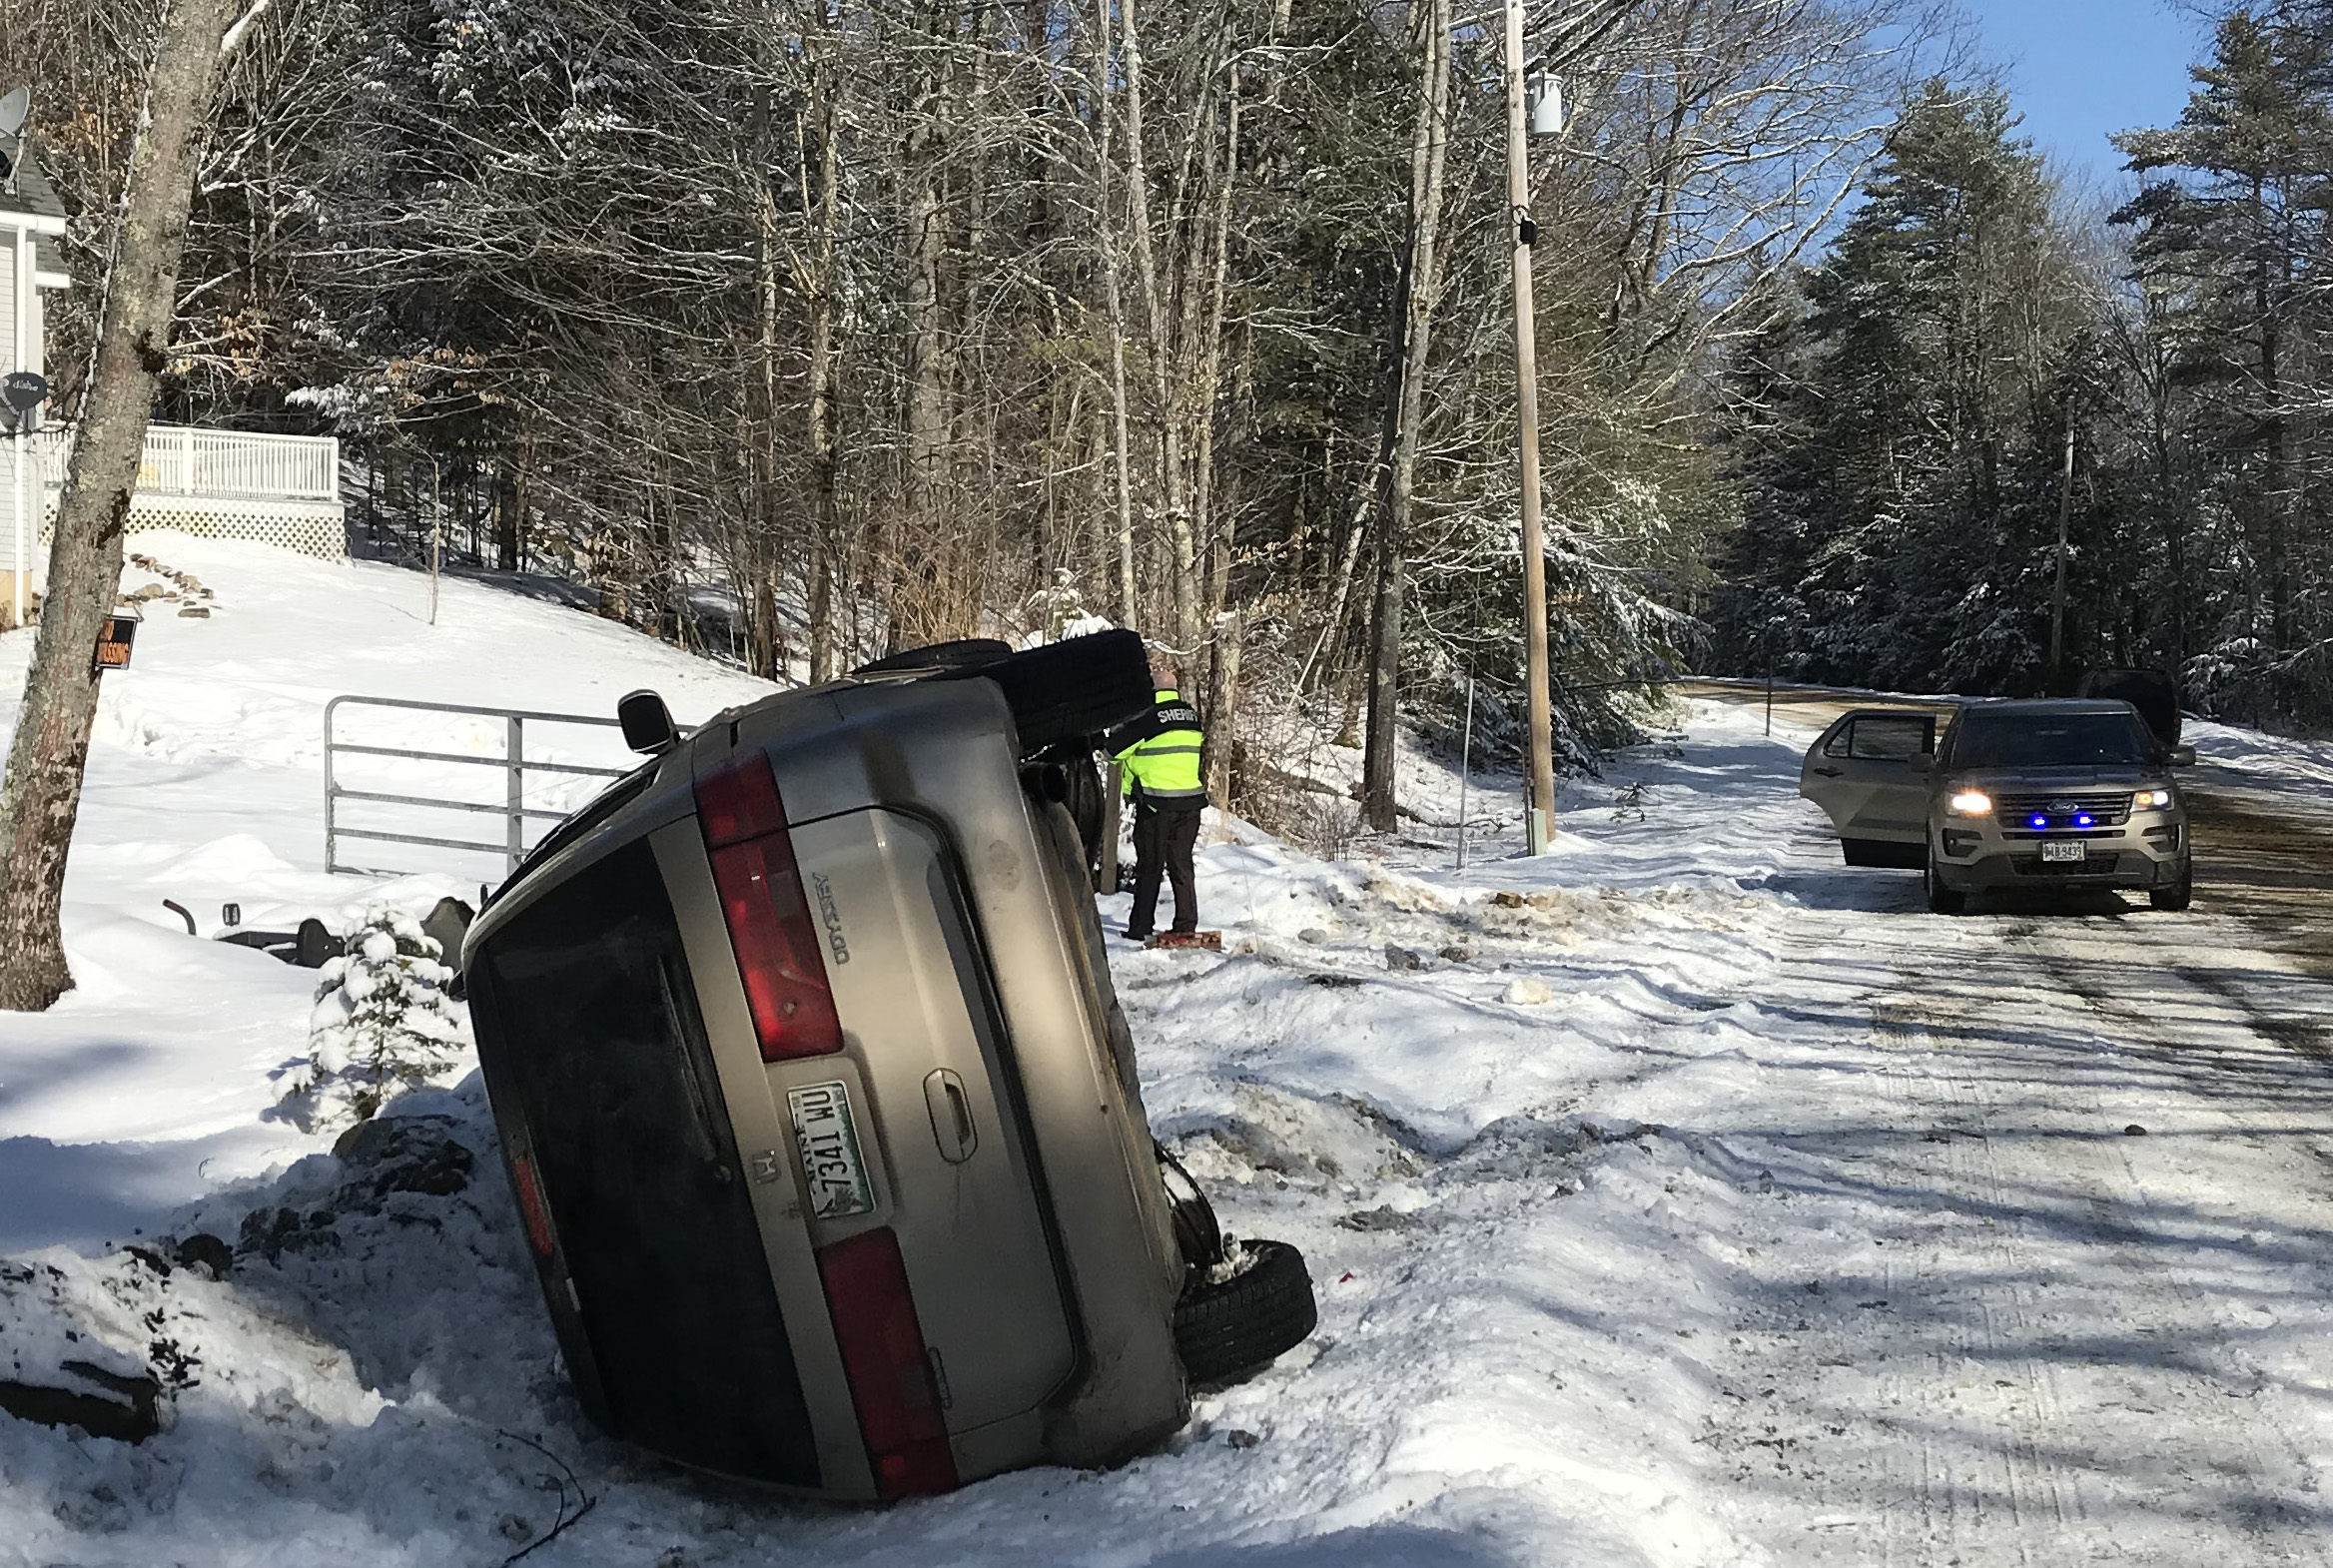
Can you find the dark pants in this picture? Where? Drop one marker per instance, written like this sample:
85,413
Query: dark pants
1164,838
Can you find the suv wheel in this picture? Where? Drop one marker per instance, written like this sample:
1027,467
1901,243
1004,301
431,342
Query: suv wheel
2178,895
1225,1329
1942,899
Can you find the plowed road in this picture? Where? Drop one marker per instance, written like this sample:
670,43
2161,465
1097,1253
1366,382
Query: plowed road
2089,1219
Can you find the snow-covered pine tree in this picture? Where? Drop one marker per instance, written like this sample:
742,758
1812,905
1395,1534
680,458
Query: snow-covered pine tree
382,1020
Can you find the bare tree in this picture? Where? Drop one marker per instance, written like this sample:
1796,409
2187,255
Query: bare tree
41,796
1419,295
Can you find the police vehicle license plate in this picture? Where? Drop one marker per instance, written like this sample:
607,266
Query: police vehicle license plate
2065,849
832,1166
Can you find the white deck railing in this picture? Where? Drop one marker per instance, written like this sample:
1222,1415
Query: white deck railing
182,460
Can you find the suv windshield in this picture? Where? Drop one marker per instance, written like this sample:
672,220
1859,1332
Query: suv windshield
2048,740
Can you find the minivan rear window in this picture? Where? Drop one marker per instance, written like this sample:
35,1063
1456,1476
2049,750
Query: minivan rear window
2049,740
591,1014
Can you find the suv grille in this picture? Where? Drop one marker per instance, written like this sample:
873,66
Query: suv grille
2062,812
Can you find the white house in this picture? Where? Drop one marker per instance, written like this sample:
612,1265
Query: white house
285,490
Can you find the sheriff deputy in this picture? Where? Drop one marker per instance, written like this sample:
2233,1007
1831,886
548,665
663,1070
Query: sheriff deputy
1159,754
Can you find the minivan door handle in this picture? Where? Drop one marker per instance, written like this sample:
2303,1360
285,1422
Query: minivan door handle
951,1109
1831,773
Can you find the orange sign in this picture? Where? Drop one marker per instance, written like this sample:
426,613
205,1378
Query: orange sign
113,643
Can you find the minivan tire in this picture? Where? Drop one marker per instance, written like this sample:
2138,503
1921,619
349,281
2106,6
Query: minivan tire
2178,895
1071,690
1224,1331
1942,899
932,658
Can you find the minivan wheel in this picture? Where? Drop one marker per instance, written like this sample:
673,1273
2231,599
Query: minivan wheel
1225,1330
1942,899
1071,690
1197,1236
2178,895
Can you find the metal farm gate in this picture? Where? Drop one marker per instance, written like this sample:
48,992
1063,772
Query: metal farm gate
512,809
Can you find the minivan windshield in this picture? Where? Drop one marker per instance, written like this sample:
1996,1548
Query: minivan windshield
2049,740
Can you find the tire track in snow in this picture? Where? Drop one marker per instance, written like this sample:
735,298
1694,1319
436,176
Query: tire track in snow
1956,1492
2056,1373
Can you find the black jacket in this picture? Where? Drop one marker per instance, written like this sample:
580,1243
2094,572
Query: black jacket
1170,713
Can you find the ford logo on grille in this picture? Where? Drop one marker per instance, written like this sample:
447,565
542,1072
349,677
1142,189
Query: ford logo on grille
2065,807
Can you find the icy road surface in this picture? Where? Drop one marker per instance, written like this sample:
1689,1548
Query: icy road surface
1684,1198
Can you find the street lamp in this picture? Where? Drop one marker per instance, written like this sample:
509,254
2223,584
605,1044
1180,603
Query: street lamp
1542,116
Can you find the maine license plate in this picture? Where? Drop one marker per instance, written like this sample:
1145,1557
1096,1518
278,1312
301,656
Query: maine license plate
2065,849
829,1142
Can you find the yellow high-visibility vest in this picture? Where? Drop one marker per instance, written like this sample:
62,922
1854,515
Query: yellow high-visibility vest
1166,764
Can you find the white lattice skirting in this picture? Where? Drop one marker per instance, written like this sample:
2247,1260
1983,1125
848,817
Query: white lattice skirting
305,528
301,527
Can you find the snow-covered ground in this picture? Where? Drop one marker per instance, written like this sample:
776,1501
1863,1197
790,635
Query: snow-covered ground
153,1079
1681,1198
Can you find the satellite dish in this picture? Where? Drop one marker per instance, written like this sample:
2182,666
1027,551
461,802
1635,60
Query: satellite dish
13,108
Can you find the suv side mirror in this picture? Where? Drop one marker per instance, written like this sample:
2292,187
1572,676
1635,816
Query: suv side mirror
647,723
2182,756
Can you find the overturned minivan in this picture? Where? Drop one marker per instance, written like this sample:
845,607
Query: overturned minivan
819,1107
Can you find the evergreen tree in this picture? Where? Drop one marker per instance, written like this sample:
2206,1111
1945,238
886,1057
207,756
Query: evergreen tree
382,1021
1901,471
2231,234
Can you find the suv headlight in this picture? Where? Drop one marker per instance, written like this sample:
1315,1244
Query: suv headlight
2150,800
1972,803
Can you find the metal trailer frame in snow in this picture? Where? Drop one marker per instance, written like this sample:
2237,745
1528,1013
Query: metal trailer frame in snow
513,811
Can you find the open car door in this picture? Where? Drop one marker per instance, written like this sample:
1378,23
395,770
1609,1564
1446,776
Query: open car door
1869,773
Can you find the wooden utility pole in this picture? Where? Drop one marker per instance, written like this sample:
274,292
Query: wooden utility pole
2057,595
1539,808
41,796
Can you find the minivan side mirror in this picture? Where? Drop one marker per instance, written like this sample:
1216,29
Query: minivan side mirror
2182,756
647,723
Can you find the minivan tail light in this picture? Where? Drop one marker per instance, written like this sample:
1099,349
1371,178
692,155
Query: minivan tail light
531,1208
769,922
888,1365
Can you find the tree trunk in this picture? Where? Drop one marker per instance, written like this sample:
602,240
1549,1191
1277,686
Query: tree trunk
1181,564
825,82
510,514
1328,647
2270,305
1222,708
922,528
1128,606
1420,283
41,796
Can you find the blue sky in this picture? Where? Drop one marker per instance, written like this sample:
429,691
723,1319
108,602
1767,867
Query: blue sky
2080,69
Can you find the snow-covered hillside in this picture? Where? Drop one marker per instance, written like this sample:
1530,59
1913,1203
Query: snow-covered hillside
1602,1164
152,1080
